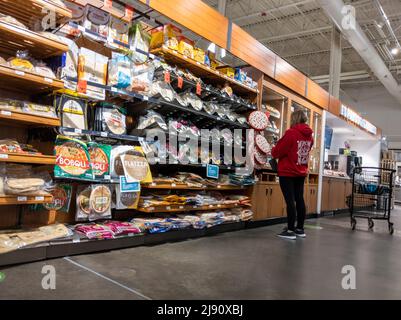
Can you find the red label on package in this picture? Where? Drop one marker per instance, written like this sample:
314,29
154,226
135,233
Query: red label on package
82,86
198,89
167,77
180,82
129,12
108,4
268,114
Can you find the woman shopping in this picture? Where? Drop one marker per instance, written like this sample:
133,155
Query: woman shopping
292,152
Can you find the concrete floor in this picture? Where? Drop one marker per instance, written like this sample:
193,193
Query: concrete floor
248,264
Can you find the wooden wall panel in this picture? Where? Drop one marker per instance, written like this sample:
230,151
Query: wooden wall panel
196,16
334,106
317,94
247,48
290,77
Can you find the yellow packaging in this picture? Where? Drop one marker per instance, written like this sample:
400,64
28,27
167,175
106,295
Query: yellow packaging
228,71
167,35
214,64
199,55
186,49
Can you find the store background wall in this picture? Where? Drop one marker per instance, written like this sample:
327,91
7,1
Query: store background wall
369,149
378,106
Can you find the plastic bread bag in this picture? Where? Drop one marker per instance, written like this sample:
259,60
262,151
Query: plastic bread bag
21,61
122,228
150,120
100,202
162,89
44,70
38,109
11,20
119,71
142,77
139,40
34,184
94,231
11,105
72,111
113,119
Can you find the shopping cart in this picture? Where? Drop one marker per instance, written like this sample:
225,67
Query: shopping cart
371,198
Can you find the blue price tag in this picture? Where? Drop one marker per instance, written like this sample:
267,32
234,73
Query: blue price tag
212,171
129,187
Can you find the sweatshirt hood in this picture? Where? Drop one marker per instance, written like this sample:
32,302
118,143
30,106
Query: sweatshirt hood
304,129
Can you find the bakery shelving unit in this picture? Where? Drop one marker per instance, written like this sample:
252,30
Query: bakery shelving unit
24,85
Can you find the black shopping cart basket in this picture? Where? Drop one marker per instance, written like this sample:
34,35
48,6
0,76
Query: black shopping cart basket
371,198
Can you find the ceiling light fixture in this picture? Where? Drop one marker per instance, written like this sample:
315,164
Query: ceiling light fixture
212,48
395,51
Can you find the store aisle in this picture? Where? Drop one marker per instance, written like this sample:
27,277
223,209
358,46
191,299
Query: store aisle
249,264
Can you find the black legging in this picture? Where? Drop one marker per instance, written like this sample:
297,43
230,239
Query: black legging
293,191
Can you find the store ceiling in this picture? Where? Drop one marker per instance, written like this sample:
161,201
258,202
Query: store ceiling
300,32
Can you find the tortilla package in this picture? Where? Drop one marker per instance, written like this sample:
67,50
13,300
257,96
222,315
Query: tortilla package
83,203
72,159
126,200
100,202
99,159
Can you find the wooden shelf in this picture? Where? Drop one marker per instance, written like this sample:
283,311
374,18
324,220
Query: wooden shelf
12,200
27,158
186,187
13,38
28,11
186,208
201,70
32,120
24,81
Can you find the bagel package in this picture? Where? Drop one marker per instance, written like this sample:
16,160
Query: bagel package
72,159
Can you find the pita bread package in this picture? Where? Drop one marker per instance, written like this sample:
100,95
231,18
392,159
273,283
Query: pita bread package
72,159
93,202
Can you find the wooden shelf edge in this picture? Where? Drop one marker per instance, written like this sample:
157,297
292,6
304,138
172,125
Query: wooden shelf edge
59,47
27,158
31,77
21,117
64,12
19,200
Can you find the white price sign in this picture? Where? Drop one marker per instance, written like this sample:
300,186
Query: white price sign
48,80
40,198
6,113
3,156
20,73
22,199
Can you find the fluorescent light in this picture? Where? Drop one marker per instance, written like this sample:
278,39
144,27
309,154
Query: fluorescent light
395,51
212,48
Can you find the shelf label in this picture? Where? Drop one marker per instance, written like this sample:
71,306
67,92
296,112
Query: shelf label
168,208
39,198
151,56
107,177
129,186
198,89
153,184
180,81
82,86
6,113
145,98
181,207
48,80
81,28
129,12
78,131
151,209
22,199
104,134
131,234
20,73
212,171
173,185
3,156
76,240
219,186
167,77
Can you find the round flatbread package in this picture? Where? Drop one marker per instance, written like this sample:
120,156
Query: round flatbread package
72,159
61,198
114,119
260,157
100,202
262,144
99,159
83,203
128,162
258,120
126,200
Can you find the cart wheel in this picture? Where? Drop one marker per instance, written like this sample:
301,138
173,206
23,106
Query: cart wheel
391,228
371,224
353,223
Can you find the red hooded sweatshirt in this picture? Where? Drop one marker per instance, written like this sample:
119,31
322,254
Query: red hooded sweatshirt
292,151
